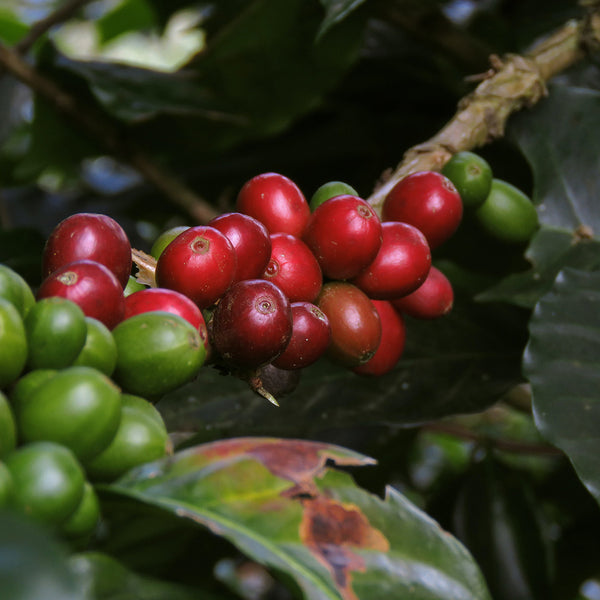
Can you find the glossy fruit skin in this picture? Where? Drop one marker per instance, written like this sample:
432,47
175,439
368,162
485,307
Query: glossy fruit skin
16,290
24,387
355,324
165,238
199,263
156,353
401,265
142,437
471,175
429,201
91,286
391,346
344,233
6,486
56,333
89,236
8,430
99,350
276,201
79,408
13,343
251,241
47,481
508,214
252,324
329,190
432,299
311,334
84,519
293,268
153,299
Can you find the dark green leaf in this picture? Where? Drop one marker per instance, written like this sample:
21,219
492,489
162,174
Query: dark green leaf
21,250
11,29
283,505
336,11
562,362
130,15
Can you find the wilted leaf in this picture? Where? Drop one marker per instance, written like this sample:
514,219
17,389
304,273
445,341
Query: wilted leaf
562,362
283,505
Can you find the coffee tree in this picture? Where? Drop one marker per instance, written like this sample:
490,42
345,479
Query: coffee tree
299,300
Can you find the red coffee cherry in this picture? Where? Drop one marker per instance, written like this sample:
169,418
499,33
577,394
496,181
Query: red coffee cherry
293,268
344,233
355,323
311,334
433,299
429,201
252,324
89,236
276,201
199,263
401,265
250,239
92,286
391,346
155,299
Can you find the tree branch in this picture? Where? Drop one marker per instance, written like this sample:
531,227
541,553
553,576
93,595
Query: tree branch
514,82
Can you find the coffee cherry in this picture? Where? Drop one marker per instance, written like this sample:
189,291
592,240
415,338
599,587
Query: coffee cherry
16,290
6,486
252,324
276,201
355,324
344,233
165,238
293,268
508,214
401,265
133,285
89,236
329,190
432,299
92,286
8,431
85,517
471,175
13,343
250,239
311,334
200,263
391,346
429,201
99,350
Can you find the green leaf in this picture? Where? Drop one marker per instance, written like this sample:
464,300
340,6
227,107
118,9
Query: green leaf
283,505
11,28
336,11
129,15
562,362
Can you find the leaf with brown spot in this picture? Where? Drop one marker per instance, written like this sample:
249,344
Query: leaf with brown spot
286,506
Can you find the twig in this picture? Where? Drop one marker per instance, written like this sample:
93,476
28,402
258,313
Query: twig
513,83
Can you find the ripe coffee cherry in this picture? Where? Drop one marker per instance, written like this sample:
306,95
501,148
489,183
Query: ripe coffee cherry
432,299
311,334
252,324
250,239
429,201
355,324
391,346
276,201
293,268
401,265
90,285
344,233
329,190
508,214
153,299
199,263
165,238
471,175
89,236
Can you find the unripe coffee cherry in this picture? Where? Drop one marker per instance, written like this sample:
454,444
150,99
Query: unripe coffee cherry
276,201
429,201
471,175
199,263
252,324
432,299
311,334
89,236
293,268
391,346
355,324
401,265
344,233
251,241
